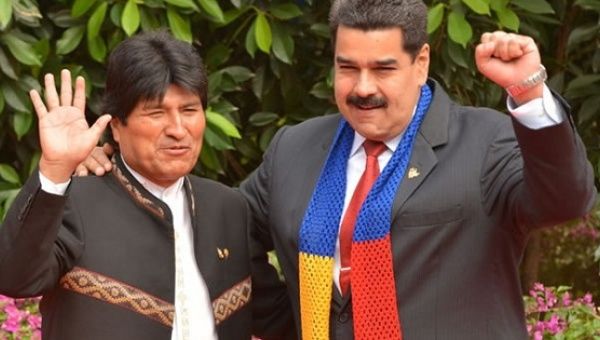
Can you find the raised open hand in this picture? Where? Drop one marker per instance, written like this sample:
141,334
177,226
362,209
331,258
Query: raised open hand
65,137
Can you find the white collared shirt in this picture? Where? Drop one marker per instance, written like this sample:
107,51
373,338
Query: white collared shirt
193,308
535,114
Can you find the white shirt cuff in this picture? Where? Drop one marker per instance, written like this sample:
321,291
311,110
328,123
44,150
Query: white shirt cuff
538,113
53,188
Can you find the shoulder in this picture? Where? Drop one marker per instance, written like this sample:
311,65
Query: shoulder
214,191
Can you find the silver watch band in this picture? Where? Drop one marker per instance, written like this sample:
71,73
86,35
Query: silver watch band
533,80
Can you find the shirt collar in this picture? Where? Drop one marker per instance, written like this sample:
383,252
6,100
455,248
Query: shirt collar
155,189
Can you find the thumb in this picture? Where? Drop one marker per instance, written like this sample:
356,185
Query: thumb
99,126
483,54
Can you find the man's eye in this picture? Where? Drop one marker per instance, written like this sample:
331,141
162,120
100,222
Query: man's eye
155,114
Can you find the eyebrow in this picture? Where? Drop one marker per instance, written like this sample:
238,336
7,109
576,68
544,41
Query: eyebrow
383,62
155,104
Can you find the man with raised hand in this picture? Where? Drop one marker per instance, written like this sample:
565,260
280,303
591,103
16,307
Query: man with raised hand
148,251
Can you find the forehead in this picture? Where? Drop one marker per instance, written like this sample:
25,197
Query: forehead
355,43
174,94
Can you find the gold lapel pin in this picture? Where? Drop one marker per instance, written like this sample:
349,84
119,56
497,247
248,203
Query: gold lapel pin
223,253
413,172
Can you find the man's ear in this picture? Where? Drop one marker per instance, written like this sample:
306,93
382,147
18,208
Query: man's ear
422,64
115,126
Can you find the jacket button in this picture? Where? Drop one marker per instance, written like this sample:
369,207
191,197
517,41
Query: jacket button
343,317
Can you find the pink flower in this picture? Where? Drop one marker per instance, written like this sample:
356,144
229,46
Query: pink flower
538,335
566,299
34,321
555,325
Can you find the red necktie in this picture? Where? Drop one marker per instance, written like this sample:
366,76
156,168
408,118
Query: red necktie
373,149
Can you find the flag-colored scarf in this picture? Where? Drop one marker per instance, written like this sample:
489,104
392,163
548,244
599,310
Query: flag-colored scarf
372,282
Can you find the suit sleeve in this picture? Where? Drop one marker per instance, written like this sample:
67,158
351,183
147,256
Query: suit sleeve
541,179
272,311
38,241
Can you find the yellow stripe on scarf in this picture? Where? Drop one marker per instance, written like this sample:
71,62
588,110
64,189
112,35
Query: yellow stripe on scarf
315,295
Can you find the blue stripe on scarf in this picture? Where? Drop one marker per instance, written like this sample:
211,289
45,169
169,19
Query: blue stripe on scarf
319,229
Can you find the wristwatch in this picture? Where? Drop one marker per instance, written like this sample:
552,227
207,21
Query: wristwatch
533,80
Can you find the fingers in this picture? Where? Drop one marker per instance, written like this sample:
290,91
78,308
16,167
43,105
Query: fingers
38,104
66,92
504,46
81,170
79,98
52,101
108,149
97,162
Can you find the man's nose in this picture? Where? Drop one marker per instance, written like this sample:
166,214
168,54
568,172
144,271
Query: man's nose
365,85
175,127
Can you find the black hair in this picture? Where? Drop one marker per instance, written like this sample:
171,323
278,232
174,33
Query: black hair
144,66
408,15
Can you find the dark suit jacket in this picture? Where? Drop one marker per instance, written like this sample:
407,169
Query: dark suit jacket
83,250
459,228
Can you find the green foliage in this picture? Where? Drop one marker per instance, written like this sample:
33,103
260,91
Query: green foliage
270,64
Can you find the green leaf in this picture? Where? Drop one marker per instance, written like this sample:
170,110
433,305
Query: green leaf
238,73
581,34
184,4
217,55
96,20
582,82
534,6
321,30
22,123
15,98
27,12
7,66
285,11
283,44
180,27
216,139
478,6
69,40
81,6
130,19
459,29
509,19
498,5
209,158
262,32
9,174
63,18
250,42
588,110
321,90
591,5
148,21
6,11
435,15
457,54
222,123
22,51
212,8
1,103
263,118
97,48
115,14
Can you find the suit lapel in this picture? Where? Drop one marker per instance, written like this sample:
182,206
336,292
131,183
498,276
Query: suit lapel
433,133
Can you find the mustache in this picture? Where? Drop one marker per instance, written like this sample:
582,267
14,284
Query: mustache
370,101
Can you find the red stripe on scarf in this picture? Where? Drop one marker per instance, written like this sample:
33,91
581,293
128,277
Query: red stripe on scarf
374,291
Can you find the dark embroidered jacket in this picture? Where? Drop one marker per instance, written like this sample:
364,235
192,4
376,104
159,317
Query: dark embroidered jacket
103,257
